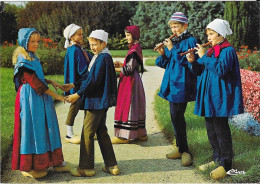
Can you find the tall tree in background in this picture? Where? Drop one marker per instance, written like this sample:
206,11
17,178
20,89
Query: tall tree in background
50,18
8,29
153,17
236,13
244,22
201,14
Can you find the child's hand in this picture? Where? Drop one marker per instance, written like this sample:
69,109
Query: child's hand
60,98
160,49
73,98
56,85
190,56
168,44
200,50
67,87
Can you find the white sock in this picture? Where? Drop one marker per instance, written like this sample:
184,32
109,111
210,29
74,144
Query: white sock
70,131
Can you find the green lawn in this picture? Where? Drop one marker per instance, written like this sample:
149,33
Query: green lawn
122,53
245,146
8,95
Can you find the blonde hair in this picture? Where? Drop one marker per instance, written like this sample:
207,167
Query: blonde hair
176,22
21,51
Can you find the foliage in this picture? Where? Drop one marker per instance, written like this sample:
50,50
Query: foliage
50,56
51,18
6,53
251,92
8,28
247,154
152,18
249,59
201,14
51,59
117,42
244,22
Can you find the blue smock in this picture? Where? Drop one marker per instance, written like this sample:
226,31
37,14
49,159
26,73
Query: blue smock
39,124
179,83
99,89
75,66
219,88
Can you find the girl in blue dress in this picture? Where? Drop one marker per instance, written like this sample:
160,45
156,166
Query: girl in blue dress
219,94
37,144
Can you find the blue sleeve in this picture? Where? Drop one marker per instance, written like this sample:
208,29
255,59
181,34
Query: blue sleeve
196,68
81,63
222,65
94,78
162,61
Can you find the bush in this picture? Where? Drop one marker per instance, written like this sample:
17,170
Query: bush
117,42
51,58
251,92
249,59
6,53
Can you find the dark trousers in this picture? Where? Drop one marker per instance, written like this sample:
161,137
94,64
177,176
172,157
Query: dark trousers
95,122
177,111
220,139
73,111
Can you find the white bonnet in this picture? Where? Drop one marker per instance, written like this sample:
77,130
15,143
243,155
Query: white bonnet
68,32
220,26
99,34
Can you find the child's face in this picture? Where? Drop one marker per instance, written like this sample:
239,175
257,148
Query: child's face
178,28
96,46
214,37
33,42
78,37
129,37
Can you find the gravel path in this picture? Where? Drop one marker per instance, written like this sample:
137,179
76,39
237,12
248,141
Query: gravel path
140,162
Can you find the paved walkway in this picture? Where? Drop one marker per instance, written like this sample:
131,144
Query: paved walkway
140,162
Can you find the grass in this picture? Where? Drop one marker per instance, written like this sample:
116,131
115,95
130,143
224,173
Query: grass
245,146
150,62
122,53
8,95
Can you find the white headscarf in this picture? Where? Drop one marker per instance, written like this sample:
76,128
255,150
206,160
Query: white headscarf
68,32
220,26
99,34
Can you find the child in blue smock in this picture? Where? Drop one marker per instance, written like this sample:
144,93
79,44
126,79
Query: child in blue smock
219,94
98,92
37,145
75,70
179,83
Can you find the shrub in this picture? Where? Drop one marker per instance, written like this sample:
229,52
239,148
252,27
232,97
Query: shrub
6,53
251,92
117,42
249,59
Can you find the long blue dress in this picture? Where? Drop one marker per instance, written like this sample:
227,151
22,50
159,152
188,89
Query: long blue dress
39,124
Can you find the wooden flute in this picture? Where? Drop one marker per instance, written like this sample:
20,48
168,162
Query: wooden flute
161,44
192,50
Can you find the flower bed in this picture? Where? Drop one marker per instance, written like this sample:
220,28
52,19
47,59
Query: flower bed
251,92
250,120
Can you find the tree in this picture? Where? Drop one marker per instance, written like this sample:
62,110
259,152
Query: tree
8,28
50,18
153,17
244,22
201,14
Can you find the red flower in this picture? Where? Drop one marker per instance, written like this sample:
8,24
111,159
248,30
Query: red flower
245,47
